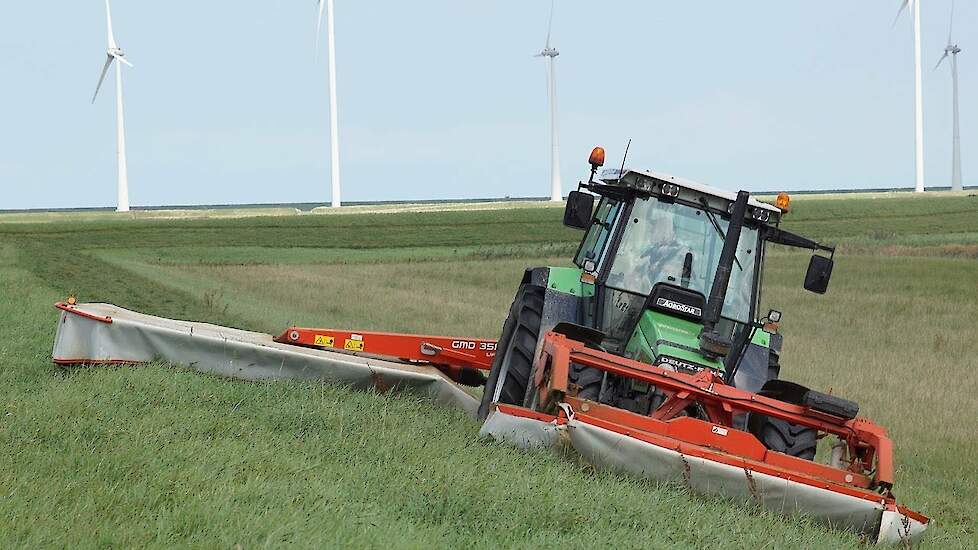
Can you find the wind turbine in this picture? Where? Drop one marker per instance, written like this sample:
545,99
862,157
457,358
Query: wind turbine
549,53
114,53
918,95
334,131
952,50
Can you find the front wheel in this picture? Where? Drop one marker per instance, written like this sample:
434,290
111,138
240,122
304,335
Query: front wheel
510,372
784,437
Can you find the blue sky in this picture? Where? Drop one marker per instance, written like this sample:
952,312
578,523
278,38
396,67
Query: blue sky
443,99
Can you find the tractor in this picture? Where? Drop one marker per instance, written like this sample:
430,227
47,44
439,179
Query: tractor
668,273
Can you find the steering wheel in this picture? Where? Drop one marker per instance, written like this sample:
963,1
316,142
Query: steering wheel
659,256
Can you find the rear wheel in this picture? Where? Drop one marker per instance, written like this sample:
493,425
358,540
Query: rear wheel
510,372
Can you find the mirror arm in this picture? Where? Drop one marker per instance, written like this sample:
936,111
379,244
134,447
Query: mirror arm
787,238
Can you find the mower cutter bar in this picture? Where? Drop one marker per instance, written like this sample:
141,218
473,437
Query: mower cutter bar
673,456
869,448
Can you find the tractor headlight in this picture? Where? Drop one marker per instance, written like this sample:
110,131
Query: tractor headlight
762,215
670,190
643,183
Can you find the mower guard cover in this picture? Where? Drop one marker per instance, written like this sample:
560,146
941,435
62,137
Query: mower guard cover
90,334
106,334
604,448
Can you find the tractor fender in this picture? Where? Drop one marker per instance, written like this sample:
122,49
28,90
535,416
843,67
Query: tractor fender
536,276
782,390
797,394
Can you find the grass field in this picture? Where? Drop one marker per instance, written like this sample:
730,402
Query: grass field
160,456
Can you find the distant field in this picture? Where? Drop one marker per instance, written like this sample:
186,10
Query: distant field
231,212
223,212
153,456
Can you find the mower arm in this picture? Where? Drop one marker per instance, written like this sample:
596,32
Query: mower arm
461,359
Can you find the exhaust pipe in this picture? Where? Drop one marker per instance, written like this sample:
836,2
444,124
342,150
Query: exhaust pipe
712,343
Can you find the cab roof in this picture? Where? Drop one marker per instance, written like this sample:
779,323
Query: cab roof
640,178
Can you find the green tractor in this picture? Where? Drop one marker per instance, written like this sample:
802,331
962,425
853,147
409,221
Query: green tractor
668,273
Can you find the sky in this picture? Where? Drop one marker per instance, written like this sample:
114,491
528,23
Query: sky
442,99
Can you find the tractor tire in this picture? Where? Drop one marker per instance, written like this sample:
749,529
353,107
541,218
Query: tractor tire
783,437
588,381
516,349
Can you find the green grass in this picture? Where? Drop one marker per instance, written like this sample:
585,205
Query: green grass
174,214
161,456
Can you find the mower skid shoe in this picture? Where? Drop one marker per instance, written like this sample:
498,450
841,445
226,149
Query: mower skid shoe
897,527
91,334
887,524
525,433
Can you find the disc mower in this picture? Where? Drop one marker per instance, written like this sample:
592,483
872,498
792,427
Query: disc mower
650,355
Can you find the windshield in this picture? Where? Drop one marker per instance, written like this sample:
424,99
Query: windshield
679,245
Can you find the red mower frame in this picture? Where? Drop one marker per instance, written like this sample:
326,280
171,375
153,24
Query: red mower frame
867,473
866,470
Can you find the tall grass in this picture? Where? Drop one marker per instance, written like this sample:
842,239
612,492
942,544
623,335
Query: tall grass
157,456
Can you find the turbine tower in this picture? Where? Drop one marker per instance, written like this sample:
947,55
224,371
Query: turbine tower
918,95
114,53
334,131
549,53
952,50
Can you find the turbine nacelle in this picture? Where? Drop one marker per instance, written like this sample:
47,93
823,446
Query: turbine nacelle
117,53
549,52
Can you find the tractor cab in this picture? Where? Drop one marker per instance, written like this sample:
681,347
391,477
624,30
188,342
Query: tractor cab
672,271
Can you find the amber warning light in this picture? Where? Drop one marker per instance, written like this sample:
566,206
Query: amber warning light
597,157
597,161
783,201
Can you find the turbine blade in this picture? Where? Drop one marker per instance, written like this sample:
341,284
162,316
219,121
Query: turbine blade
903,6
550,23
105,69
121,59
941,60
319,24
950,27
108,17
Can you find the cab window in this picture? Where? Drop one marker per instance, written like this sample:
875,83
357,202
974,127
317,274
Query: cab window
597,236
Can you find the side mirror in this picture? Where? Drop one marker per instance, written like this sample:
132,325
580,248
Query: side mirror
577,213
818,275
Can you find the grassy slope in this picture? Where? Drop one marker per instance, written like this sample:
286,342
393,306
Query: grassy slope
153,455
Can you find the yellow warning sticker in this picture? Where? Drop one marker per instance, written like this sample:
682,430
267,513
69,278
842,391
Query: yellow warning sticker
353,345
323,340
